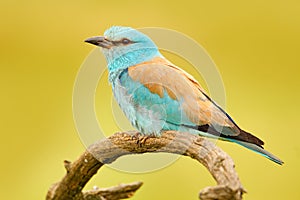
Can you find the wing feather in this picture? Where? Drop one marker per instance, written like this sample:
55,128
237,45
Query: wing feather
162,77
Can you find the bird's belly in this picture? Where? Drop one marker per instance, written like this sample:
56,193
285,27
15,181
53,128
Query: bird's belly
147,121
146,111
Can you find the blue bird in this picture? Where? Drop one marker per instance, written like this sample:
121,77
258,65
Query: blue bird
156,95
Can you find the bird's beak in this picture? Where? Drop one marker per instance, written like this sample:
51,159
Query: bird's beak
100,41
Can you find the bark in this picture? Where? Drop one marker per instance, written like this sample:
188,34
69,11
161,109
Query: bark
107,150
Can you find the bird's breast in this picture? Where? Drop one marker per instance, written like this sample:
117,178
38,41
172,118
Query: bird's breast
146,111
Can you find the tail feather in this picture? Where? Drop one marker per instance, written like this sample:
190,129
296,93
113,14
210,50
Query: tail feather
243,138
260,151
255,144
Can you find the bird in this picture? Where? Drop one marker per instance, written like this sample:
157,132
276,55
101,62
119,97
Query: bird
156,95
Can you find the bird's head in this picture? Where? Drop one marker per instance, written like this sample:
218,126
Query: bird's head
124,47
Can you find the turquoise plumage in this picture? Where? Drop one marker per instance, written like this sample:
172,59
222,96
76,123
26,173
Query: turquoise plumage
156,95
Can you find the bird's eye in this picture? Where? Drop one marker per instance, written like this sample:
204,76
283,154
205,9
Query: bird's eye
125,41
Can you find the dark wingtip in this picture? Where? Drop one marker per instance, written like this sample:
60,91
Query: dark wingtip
242,136
248,137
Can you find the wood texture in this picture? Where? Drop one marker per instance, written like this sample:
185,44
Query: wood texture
105,151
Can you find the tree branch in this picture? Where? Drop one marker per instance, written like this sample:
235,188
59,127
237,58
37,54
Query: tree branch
105,151
121,191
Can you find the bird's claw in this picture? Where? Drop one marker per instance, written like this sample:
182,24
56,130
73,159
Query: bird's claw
142,140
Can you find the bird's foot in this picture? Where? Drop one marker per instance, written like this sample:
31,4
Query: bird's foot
142,139
136,136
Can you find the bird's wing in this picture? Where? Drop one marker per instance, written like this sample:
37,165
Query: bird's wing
162,77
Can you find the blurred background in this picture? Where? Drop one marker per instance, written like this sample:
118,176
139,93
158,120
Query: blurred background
255,45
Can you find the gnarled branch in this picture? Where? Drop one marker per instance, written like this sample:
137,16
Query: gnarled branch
105,151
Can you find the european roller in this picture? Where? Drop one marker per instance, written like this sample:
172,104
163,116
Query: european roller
156,95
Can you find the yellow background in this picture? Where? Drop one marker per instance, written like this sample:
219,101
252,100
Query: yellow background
255,45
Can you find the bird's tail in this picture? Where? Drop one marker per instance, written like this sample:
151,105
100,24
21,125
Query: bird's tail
259,150
253,143
244,139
